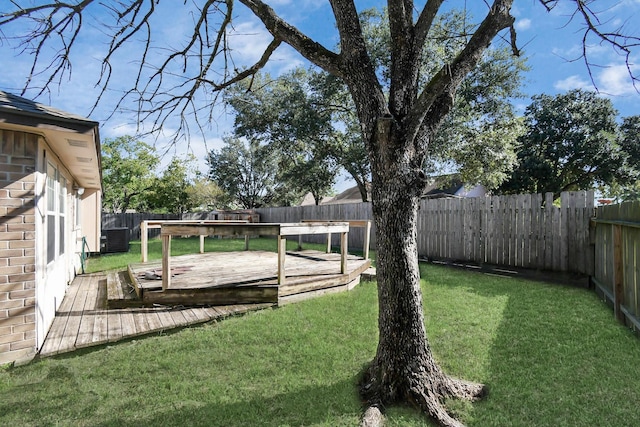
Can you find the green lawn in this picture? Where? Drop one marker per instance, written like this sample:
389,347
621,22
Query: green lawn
551,355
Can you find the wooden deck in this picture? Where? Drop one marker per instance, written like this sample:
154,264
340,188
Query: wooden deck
104,308
247,277
83,319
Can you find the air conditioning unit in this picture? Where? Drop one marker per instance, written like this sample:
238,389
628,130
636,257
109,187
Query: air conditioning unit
114,240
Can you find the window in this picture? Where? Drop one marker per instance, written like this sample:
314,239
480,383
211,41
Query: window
56,195
62,197
52,179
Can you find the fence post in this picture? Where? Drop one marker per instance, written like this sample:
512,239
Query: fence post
367,238
618,273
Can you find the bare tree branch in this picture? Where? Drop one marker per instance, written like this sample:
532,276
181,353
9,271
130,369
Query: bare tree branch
593,26
51,21
282,30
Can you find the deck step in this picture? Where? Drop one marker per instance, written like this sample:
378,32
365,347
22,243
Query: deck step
369,274
120,290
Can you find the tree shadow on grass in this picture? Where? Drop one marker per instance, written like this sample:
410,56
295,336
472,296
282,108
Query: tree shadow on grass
331,405
556,357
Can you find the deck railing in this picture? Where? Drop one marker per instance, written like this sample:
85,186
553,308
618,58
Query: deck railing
364,223
148,224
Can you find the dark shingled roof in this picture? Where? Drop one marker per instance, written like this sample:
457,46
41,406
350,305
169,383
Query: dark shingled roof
23,106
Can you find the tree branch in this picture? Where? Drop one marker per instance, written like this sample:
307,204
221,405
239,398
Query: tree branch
61,18
616,39
425,21
283,31
436,100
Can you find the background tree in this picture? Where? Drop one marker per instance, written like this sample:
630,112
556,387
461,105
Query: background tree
630,147
285,114
170,191
630,144
128,167
570,144
205,195
398,122
345,144
245,171
479,138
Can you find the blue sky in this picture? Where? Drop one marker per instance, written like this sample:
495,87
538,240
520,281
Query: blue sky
550,41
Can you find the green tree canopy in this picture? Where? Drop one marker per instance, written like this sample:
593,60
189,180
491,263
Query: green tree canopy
170,191
286,115
246,172
477,139
570,144
205,195
630,146
128,167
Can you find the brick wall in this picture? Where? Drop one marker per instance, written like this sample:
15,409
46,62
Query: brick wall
17,245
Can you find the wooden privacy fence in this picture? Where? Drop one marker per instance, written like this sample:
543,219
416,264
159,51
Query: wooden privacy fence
132,221
526,231
617,265
514,231
337,212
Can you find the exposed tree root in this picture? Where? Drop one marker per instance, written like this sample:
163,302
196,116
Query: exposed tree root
425,392
372,417
464,390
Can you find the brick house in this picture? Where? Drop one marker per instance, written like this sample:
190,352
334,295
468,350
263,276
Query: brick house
50,196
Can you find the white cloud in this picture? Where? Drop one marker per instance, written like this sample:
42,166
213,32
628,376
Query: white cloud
523,24
572,82
615,80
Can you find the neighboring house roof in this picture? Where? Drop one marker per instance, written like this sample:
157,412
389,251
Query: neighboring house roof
309,200
451,186
350,195
75,139
442,186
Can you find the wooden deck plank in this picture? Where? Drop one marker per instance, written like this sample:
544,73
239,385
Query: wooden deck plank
84,319
141,322
87,321
164,316
127,323
77,311
212,312
114,325
100,327
57,330
196,315
153,320
178,318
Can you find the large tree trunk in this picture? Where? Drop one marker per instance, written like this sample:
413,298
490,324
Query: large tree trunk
404,368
